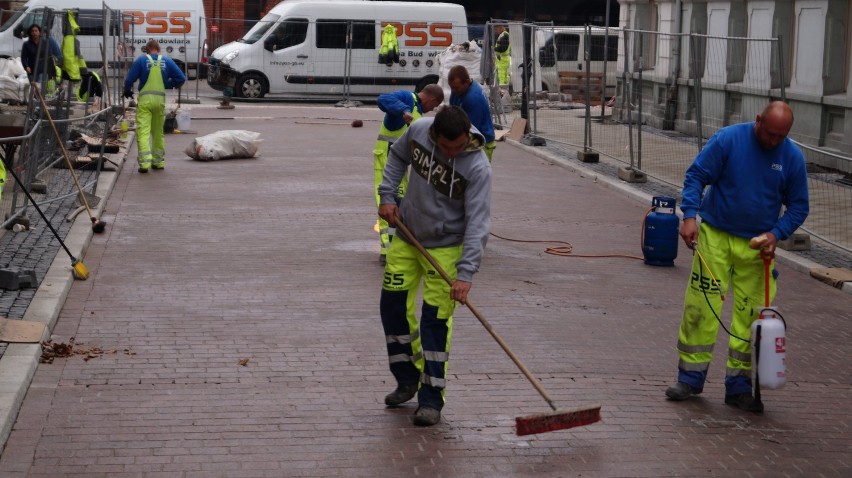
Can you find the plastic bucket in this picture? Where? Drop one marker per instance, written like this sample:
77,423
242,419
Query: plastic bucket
183,119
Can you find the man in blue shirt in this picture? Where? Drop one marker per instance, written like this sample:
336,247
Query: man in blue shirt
155,73
401,108
752,170
472,100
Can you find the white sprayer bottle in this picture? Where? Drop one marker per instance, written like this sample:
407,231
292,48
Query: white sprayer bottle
769,348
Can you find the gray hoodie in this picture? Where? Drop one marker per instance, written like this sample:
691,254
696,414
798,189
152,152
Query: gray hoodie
448,201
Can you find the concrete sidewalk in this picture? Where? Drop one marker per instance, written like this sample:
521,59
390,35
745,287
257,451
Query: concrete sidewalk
240,299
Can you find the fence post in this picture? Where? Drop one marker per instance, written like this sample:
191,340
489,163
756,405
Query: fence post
640,100
347,70
699,115
631,174
628,93
781,70
586,155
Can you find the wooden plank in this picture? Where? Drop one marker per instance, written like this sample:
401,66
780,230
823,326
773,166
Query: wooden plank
20,331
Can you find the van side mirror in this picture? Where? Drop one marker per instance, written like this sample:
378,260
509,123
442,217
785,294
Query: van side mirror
269,43
19,31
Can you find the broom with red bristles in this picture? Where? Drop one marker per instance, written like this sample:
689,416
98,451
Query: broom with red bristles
556,419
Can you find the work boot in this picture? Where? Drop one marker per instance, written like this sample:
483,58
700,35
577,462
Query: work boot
158,165
402,394
744,401
143,169
426,417
681,391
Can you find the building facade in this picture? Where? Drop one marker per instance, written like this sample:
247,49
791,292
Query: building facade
810,66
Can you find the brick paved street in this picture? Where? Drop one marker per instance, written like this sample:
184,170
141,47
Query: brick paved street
275,260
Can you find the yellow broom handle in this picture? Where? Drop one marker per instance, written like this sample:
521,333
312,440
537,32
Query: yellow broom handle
410,237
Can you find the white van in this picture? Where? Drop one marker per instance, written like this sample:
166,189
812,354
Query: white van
299,49
177,24
561,55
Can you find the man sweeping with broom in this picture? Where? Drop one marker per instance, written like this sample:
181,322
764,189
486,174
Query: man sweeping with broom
447,208
155,73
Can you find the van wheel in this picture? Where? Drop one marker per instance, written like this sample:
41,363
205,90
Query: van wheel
426,80
251,86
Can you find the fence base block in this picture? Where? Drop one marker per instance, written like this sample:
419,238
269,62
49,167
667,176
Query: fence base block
38,186
531,140
632,175
796,242
588,156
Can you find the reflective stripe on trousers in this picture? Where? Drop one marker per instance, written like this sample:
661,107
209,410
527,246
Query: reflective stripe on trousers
734,264
425,356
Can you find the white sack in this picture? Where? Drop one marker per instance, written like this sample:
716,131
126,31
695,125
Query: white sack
227,144
11,67
467,54
14,84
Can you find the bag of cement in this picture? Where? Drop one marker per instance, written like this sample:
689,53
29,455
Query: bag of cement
227,144
14,84
467,54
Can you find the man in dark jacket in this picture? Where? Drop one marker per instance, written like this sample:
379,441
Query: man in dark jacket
39,56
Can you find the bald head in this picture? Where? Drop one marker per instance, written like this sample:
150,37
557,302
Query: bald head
773,125
431,96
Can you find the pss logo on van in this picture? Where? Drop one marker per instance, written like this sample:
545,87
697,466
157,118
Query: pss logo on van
159,21
438,34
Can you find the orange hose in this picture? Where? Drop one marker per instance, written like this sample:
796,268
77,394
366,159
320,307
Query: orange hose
566,249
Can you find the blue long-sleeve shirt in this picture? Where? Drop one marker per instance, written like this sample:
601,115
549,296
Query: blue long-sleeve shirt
395,105
29,52
173,77
475,104
748,185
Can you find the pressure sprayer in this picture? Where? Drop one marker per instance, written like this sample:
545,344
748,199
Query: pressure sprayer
659,232
769,341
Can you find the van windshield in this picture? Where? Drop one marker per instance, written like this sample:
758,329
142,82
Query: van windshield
13,19
259,29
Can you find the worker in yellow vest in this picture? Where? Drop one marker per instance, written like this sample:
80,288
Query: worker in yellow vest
502,54
155,73
401,108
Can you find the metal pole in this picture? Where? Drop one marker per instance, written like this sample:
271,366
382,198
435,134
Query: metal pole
525,112
198,79
627,94
587,124
640,99
606,57
699,120
781,70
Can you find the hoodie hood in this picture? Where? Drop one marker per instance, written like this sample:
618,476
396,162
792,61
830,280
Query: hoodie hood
448,199
475,140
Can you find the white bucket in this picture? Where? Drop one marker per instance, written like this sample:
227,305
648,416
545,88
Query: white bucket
183,119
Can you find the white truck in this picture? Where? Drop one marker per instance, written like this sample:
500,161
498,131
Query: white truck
325,48
178,25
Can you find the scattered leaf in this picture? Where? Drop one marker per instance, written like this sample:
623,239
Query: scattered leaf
244,362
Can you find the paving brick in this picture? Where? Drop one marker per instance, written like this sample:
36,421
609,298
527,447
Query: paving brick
274,260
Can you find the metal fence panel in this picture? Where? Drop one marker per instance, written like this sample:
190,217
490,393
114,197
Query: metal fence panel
669,94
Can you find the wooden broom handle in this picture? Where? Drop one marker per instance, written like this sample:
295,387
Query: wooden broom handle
535,383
